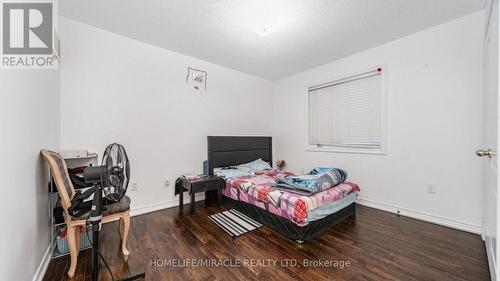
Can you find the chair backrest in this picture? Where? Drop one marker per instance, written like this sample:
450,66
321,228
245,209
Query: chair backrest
60,174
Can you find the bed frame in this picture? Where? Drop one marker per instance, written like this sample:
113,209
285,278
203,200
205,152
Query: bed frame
226,151
232,151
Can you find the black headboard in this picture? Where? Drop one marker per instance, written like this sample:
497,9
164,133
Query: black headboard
230,151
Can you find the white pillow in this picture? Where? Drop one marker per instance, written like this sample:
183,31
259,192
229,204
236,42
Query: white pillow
231,173
256,166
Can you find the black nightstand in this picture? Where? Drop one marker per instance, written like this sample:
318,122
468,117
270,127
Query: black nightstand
203,184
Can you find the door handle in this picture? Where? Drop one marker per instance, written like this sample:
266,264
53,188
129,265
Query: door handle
485,152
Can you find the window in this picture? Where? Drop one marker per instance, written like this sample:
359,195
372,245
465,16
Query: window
348,115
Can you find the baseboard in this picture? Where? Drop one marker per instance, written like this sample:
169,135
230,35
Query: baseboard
44,264
476,229
141,210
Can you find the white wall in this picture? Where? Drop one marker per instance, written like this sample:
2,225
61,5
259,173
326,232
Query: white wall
29,121
115,89
434,123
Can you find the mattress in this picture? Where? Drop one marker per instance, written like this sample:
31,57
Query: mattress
257,190
331,207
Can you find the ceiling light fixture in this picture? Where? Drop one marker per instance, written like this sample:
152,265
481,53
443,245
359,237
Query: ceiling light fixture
264,31
264,17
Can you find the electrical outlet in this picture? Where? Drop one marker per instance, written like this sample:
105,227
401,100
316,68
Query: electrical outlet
134,187
431,188
168,182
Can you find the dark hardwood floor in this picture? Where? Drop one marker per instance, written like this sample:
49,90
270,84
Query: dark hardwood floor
378,246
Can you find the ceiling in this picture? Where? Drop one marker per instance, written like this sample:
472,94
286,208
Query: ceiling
271,39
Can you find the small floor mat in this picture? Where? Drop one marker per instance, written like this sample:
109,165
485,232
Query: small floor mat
234,222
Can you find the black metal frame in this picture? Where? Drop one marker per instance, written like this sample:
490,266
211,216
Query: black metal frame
94,223
226,151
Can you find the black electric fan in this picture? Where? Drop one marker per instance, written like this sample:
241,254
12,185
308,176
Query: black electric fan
113,175
111,178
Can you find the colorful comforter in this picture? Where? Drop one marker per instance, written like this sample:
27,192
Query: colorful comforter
258,190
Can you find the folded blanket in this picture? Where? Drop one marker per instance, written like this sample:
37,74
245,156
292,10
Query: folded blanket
317,180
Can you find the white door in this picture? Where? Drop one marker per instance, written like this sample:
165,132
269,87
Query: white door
490,138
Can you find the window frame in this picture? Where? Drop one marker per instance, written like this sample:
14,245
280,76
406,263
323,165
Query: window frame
350,149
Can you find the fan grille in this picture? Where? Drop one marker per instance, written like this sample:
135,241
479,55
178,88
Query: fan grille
117,173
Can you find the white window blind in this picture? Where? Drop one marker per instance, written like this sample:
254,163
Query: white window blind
347,112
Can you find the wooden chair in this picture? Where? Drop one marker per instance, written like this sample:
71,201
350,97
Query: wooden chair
119,210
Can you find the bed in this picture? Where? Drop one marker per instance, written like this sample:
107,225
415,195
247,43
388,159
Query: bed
224,151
